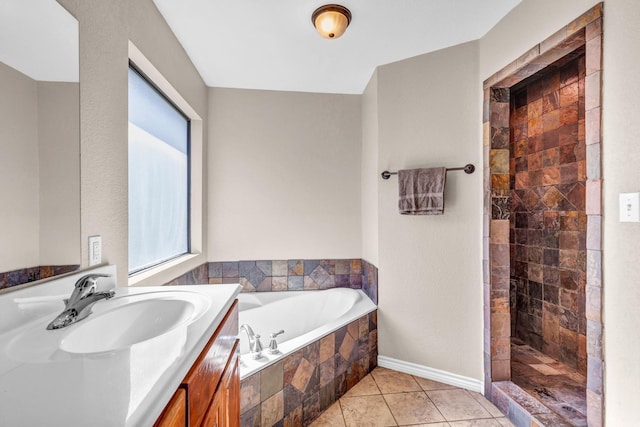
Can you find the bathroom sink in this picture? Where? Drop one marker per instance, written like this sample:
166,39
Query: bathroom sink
126,321
119,323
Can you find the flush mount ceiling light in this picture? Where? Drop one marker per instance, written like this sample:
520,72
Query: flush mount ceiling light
331,20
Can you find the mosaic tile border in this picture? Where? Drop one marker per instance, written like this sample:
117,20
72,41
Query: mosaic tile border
12,278
586,31
288,275
297,389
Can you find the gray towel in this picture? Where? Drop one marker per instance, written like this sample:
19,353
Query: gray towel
421,191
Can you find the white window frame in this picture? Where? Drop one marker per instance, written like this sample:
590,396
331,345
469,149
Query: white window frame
152,74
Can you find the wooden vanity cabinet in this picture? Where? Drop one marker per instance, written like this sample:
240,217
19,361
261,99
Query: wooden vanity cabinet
209,395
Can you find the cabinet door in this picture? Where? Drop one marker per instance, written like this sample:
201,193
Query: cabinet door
205,377
232,391
215,416
225,407
175,414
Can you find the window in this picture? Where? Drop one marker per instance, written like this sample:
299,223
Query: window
159,184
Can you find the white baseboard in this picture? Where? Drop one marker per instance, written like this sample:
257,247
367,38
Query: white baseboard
431,374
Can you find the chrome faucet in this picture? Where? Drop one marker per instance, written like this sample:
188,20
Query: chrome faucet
255,346
78,305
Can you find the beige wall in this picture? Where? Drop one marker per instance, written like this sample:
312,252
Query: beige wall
370,175
59,136
621,157
430,306
39,172
284,175
19,176
105,29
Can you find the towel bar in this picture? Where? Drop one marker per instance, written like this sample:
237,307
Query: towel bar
468,169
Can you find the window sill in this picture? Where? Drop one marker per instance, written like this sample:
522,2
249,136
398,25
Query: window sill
136,279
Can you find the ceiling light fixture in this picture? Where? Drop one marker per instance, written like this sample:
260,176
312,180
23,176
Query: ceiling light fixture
331,20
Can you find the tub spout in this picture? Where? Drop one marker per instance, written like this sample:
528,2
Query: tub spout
255,346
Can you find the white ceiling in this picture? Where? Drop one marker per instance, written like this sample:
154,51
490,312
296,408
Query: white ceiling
39,38
260,44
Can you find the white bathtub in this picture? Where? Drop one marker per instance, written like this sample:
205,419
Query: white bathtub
305,316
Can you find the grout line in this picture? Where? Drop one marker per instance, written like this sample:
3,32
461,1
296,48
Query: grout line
344,420
433,403
390,411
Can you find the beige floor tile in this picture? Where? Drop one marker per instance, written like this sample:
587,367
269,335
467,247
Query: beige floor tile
366,387
432,385
490,407
489,422
457,405
412,408
389,381
331,417
445,424
505,422
366,411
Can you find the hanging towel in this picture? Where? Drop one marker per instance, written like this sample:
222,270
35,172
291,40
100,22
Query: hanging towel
421,191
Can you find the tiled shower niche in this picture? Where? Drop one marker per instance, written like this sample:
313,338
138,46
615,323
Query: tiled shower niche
548,222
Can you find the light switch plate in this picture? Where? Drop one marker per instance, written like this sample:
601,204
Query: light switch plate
629,207
95,250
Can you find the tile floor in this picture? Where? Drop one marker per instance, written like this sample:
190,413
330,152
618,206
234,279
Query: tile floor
557,386
390,398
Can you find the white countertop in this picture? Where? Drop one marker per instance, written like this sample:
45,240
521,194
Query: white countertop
126,387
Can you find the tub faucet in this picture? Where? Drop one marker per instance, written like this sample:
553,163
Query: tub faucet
78,305
255,346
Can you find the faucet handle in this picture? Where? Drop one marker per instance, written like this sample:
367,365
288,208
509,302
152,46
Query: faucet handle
275,334
273,344
85,285
89,279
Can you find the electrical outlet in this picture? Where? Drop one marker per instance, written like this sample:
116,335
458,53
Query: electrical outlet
95,250
629,207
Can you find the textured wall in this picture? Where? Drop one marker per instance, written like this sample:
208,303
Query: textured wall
105,30
430,298
20,218
284,175
59,161
370,175
39,128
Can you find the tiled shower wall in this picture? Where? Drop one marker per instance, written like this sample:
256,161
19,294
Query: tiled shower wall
31,274
288,275
548,222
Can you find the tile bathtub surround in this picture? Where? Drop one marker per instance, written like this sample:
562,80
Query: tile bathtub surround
390,398
296,390
297,275
198,275
548,223
31,274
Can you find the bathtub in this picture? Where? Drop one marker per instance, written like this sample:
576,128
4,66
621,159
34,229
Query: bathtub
305,317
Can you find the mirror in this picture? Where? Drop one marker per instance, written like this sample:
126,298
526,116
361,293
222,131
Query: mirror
39,141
